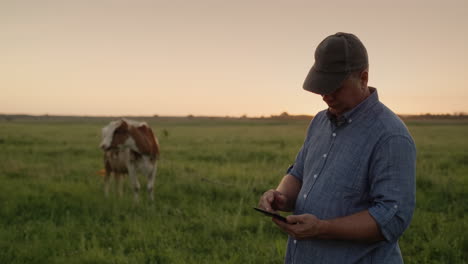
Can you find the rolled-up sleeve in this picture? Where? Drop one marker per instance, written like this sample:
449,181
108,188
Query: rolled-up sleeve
392,185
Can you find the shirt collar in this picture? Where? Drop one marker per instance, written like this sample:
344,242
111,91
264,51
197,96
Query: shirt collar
354,113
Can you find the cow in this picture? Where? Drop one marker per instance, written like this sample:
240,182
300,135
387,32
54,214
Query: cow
129,146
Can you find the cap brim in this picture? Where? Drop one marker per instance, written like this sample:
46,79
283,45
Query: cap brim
323,82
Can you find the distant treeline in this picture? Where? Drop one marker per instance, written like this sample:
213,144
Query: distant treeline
282,116
455,116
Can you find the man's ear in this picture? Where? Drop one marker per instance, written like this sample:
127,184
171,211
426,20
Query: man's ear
364,78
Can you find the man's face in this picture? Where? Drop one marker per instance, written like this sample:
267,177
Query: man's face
352,92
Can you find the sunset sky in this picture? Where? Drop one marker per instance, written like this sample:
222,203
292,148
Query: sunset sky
219,58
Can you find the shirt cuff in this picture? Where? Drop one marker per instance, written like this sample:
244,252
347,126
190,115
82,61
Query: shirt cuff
291,171
383,215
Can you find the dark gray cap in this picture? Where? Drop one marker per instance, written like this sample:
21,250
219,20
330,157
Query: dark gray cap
336,57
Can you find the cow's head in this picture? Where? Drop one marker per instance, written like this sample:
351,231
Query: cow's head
115,134
133,135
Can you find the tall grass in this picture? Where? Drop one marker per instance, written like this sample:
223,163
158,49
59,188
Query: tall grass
438,232
211,174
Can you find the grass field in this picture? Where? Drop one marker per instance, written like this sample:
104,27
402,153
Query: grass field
211,174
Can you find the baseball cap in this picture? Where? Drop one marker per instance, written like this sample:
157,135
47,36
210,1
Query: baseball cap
336,57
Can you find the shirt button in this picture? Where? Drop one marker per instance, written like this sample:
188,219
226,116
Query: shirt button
295,241
325,155
305,196
315,176
396,206
349,121
334,134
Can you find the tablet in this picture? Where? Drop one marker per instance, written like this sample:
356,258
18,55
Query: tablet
277,216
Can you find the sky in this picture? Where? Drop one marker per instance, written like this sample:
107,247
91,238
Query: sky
222,58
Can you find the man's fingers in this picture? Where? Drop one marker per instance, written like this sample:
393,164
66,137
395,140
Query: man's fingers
295,219
270,198
279,197
291,229
266,201
265,206
299,226
281,224
288,228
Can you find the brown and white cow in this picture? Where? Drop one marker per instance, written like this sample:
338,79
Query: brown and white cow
129,146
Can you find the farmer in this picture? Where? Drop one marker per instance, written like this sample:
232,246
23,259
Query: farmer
352,186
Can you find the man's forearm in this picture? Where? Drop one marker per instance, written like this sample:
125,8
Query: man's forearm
290,187
360,226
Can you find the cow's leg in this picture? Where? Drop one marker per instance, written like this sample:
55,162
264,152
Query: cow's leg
107,177
119,182
134,180
151,179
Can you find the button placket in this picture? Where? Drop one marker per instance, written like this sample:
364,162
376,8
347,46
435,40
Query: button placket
321,167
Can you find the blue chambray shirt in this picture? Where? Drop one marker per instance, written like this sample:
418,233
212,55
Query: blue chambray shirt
366,161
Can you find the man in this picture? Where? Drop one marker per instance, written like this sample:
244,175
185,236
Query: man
352,186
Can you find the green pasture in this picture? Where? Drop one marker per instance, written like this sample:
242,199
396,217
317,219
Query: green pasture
211,174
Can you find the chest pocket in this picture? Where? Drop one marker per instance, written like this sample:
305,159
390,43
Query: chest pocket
347,170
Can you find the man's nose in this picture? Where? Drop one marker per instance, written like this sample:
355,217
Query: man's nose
327,97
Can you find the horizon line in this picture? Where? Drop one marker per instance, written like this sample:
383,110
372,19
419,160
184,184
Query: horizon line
282,114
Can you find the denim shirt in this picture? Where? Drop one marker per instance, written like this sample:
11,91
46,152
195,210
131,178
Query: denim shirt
364,162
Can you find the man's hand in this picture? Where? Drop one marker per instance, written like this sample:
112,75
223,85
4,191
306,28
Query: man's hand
303,226
283,198
272,201
360,226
